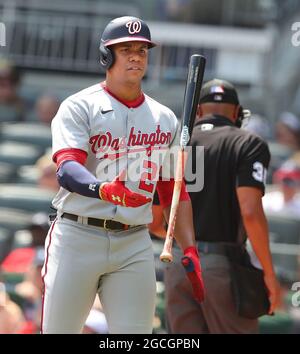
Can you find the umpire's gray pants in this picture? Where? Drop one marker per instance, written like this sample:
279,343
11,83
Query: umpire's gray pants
217,313
81,261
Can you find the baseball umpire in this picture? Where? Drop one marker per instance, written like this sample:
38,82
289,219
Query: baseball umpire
99,242
226,211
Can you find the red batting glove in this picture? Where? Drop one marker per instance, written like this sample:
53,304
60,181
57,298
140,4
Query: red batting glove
115,192
191,263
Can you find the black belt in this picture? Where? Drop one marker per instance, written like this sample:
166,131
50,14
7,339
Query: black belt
109,225
217,247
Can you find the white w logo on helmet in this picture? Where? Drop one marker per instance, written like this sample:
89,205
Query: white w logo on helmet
134,26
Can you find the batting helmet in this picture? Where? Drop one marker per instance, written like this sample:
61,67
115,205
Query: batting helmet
122,29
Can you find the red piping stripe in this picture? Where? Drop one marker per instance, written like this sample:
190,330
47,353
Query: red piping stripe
43,278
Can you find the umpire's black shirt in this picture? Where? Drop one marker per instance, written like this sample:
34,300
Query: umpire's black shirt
232,158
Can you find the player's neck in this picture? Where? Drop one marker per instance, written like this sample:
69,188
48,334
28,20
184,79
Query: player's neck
124,91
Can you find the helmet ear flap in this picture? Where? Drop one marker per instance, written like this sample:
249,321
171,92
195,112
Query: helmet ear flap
106,57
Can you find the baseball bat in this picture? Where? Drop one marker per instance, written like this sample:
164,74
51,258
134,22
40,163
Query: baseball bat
190,103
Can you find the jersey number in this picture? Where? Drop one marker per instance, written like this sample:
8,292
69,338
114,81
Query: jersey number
259,172
147,177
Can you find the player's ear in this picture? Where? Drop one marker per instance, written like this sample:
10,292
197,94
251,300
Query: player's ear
238,115
237,112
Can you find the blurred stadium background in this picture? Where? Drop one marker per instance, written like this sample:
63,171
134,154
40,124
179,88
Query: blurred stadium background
51,51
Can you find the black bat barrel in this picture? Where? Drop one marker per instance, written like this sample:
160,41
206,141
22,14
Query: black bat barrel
191,97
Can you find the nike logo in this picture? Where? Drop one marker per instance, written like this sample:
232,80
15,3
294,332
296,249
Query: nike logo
105,111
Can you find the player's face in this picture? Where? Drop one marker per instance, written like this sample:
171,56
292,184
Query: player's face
131,60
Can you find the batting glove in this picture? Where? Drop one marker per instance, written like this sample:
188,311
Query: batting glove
191,263
115,192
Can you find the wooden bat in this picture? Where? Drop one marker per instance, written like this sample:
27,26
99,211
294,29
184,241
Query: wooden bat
190,103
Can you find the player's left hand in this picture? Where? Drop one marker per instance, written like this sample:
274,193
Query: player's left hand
115,192
274,291
191,263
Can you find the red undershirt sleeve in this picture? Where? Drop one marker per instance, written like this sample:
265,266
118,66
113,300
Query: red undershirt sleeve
69,154
165,192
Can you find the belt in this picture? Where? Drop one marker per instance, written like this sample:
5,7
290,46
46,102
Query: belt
109,225
216,247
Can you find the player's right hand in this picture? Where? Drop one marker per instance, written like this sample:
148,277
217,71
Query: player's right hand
115,192
191,264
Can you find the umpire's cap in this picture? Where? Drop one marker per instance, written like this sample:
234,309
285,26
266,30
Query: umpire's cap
124,29
218,91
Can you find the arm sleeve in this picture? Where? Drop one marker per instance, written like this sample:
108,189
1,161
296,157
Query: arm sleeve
253,164
165,192
74,177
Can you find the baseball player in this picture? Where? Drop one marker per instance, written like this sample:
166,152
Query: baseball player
105,140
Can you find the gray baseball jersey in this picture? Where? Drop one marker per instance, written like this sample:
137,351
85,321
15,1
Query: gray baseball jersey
115,137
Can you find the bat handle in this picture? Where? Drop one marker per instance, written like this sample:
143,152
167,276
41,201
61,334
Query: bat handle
166,255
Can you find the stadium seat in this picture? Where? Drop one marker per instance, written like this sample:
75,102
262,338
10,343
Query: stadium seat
31,116
18,153
33,133
14,219
12,280
8,114
29,94
27,175
7,172
25,197
279,154
284,231
6,241
283,228
280,323
16,265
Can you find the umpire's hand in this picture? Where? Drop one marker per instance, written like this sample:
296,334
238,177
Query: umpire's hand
274,291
